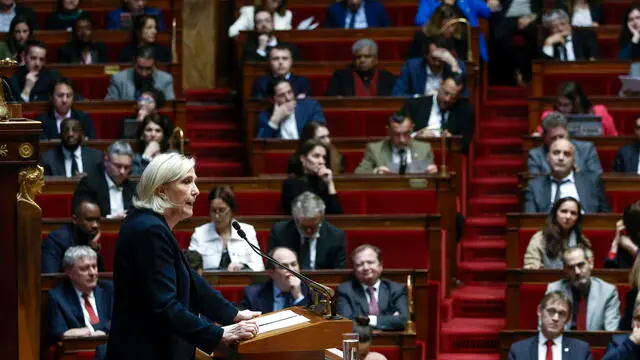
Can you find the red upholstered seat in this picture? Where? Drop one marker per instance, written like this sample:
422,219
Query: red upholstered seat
607,157
55,205
349,123
232,293
619,199
625,120
593,84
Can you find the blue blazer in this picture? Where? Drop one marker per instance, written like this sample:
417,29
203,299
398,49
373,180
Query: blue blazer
572,349
306,110
54,246
259,297
374,11
413,77
158,298
301,85
621,348
472,10
50,126
627,158
114,22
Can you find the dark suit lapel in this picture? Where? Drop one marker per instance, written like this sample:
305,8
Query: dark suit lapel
428,104
321,247
100,177
583,192
635,156
292,237
577,48
101,304
566,349
383,297
300,120
74,302
546,194
266,296
59,161
533,348
360,298
128,189
51,127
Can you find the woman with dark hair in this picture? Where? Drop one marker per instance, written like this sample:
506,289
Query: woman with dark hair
436,27
629,39
562,230
571,100
278,8
144,33
82,49
313,175
152,140
626,243
20,32
365,335
219,243
587,13
148,103
122,18
318,131
67,12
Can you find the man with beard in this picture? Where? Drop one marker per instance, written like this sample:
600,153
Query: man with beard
83,230
33,81
82,49
596,302
363,78
60,108
129,84
70,158
280,64
260,41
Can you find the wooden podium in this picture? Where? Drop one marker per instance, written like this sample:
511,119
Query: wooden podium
306,341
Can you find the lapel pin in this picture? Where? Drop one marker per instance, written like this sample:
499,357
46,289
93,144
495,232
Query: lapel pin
566,349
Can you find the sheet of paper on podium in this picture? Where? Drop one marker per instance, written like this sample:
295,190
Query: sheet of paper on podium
279,320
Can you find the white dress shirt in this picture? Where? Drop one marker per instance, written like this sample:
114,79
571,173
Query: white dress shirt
361,18
566,189
6,18
289,128
116,200
432,85
395,155
245,21
638,170
85,313
59,119
373,319
208,243
272,43
581,17
68,157
568,46
556,348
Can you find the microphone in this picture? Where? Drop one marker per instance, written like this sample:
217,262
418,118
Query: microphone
313,285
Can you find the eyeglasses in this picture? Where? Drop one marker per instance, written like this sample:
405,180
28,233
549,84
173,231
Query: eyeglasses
218,212
552,312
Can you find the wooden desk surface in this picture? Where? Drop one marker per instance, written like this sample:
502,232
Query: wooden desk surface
548,68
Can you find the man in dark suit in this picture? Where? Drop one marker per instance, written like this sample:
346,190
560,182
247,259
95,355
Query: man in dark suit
70,158
627,157
288,115
108,184
364,77
382,300
543,191
317,243
444,111
81,306
554,311
263,38
280,64
565,43
357,14
282,290
33,81
61,103
626,347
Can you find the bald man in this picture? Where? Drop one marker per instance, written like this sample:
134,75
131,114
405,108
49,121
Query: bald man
543,191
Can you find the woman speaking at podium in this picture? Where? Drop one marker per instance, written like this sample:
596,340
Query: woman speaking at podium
158,299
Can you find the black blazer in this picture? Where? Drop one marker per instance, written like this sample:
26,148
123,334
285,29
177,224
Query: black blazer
300,84
259,297
56,243
595,8
623,260
69,53
41,90
585,45
627,158
251,45
330,246
593,198
459,121
94,186
527,349
158,297
294,186
626,321
352,302
53,160
163,53
50,127
342,83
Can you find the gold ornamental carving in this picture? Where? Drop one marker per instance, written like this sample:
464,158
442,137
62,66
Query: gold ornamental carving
31,180
3,150
7,66
25,150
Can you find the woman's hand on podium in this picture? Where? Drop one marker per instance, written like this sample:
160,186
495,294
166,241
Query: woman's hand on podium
246,315
244,330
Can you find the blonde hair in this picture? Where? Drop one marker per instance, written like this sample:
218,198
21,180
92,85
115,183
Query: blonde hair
163,169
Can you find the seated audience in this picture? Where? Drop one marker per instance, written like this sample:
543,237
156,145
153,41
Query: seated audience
82,49
33,81
278,8
423,76
398,153
21,31
144,33
152,139
147,104
65,16
260,41
282,290
130,83
11,10
286,116
357,14
439,25
627,157
84,230
629,39
565,43
70,158
554,127
122,18
443,111
555,310
544,190
363,78
314,176
82,305
280,64
60,108
596,302
584,13
383,301
571,100
317,131
626,322
194,259
317,243
562,230
626,346
219,243
109,184
624,247
365,335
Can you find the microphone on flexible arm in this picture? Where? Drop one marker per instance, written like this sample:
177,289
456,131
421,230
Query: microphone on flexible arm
315,286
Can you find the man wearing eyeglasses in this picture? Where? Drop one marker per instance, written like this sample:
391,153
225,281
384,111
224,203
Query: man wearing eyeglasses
623,346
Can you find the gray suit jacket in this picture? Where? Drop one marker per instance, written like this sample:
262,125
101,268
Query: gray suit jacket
593,199
603,305
586,158
572,349
379,153
53,160
123,88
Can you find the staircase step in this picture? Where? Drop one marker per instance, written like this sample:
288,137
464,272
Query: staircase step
213,131
479,301
475,356
210,168
471,335
491,205
483,186
212,113
499,165
488,271
506,94
484,249
477,226
500,127
498,146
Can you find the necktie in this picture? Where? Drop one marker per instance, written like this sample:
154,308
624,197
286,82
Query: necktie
403,162
558,183
549,350
75,168
352,20
225,259
373,302
443,121
581,320
305,252
93,317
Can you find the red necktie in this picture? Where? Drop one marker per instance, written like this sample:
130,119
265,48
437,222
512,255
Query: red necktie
581,321
93,317
549,350
373,302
